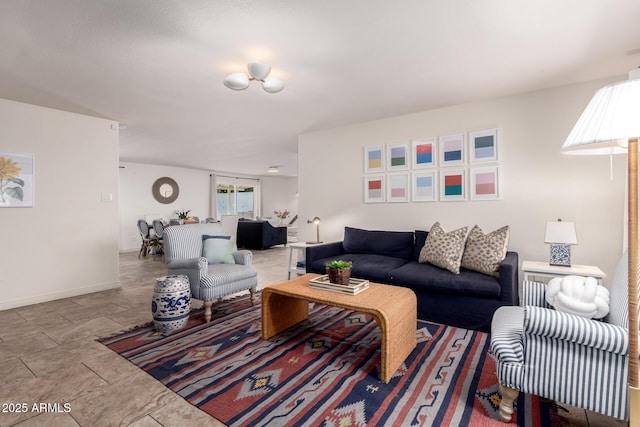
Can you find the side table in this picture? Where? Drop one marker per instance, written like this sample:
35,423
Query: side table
299,266
532,269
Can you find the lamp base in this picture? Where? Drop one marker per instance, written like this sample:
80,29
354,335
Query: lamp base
560,255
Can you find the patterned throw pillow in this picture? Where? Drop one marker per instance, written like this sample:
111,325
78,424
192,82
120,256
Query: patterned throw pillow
485,252
444,249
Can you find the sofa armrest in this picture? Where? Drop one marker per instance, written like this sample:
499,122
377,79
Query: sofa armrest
321,251
561,326
243,257
199,263
193,268
509,279
534,294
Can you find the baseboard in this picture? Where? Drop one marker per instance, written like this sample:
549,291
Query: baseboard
125,251
21,302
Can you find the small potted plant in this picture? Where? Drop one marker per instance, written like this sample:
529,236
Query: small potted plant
183,215
339,272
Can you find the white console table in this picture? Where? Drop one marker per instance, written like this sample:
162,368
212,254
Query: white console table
531,269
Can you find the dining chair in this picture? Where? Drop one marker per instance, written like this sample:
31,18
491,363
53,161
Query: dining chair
158,229
229,225
148,242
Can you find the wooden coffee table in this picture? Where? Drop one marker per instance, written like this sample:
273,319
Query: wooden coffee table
393,307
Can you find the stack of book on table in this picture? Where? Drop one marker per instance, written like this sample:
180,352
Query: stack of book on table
355,286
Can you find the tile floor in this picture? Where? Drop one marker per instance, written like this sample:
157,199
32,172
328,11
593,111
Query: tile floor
48,354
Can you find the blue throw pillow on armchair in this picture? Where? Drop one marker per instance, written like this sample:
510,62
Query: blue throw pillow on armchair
217,249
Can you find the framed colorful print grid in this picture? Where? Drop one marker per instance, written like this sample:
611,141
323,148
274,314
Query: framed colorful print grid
16,180
453,185
424,153
398,187
374,159
485,184
423,187
374,189
483,146
452,150
398,156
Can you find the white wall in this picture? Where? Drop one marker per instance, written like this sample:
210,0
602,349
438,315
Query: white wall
67,244
278,194
136,180
539,183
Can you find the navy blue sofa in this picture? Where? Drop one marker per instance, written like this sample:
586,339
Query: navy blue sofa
259,234
466,300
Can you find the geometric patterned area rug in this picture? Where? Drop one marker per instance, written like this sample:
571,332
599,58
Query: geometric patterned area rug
324,372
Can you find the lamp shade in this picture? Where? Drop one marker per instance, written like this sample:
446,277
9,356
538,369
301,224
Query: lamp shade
237,81
272,85
611,118
561,232
258,70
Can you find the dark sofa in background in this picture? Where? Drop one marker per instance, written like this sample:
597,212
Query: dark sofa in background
466,300
259,234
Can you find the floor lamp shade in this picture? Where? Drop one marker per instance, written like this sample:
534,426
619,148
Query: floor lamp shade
609,121
611,124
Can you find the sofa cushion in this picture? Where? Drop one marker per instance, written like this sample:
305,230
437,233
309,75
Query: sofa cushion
444,249
485,252
429,278
372,267
398,244
217,249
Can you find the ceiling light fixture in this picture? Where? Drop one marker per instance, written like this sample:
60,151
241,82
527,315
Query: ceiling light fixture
257,71
273,169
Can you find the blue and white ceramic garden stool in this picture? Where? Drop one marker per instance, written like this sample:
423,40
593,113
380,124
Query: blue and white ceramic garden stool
171,302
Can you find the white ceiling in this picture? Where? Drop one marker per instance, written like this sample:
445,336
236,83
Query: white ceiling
157,66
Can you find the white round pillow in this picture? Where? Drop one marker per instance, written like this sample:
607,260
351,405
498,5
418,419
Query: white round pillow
578,295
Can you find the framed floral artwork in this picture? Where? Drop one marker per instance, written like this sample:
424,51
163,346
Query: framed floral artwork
424,153
483,146
424,187
397,156
484,183
374,189
398,188
374,159
16,180
453,185
452,150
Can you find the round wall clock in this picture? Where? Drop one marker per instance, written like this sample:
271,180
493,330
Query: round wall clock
165,190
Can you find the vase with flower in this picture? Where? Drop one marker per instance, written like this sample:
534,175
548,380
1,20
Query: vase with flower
282,215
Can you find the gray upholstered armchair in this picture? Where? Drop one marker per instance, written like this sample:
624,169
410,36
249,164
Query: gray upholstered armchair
183,254
561,356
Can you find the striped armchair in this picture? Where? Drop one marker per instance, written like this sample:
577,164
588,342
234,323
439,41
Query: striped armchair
563,357
208,282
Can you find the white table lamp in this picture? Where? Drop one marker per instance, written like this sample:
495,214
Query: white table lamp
561,235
